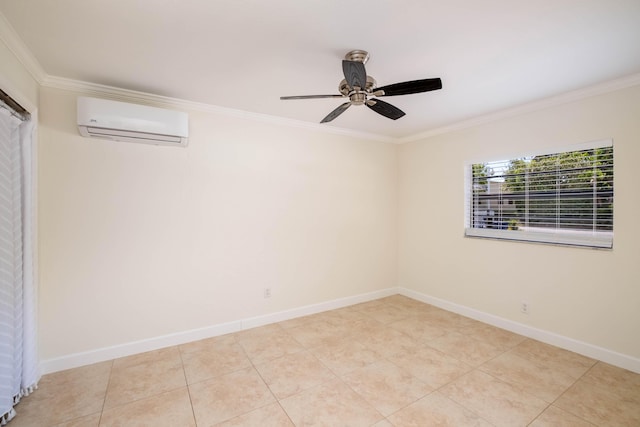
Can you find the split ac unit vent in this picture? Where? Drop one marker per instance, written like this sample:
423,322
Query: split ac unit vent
121,121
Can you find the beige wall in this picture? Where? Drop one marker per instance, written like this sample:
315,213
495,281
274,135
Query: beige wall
587,295
139,241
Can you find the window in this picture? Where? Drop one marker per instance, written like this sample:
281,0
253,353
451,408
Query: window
564,197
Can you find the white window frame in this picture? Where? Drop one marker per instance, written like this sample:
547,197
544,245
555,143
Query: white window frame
602,240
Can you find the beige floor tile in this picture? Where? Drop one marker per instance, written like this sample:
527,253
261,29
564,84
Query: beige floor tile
294,373
364,327
599,406
431,366
418,329
64,396
383,423
386,313
345,314
144,375
465,324
398,299
345,356
499,338
219,359
465,348
367,305
407,303
260,331
168,409
387,341
268,416
498,402
386,386
555,358
330,404
436,410
298,321
146,358
442,319
207,344
316,334
89,421
340,327
262,349
226,397
538,379
316,363
446,320
625,384
556,417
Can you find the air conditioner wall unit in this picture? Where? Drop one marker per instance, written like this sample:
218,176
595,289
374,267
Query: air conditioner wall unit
121,121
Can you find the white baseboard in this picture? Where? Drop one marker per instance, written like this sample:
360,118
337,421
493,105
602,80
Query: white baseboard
580,347
127,349
254,322
107,353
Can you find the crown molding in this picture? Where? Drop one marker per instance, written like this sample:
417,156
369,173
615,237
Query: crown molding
15,44
144,97
24,55
565,98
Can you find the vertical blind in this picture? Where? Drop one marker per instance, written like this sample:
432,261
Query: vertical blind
563,197
18,356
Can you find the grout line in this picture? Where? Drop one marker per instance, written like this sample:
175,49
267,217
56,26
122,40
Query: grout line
571,386
106,390
186,381
262,378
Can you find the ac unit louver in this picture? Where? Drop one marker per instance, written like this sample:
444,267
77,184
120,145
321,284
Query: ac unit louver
121,121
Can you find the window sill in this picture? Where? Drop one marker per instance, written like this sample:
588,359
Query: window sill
589,239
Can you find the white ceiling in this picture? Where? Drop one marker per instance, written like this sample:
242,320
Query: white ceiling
245,54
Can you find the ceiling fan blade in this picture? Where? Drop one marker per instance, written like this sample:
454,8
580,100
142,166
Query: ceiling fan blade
335,113
384,108
311,96
355,74
414,86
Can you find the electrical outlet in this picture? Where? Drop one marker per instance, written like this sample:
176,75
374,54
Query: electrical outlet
524,307
267,292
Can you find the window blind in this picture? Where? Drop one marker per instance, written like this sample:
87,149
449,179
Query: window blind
564,197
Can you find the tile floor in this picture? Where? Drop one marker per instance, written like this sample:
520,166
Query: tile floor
388,362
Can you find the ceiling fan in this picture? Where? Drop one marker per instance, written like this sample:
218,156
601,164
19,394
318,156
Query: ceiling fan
361,89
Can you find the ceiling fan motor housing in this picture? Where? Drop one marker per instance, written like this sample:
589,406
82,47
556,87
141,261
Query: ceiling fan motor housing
345,89
358,98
